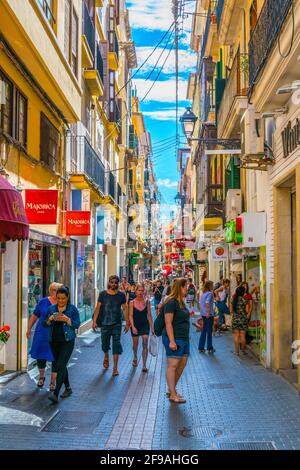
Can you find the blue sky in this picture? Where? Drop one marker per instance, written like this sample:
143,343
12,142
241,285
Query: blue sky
150,20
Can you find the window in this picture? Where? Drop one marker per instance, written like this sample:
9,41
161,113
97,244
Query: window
13,111
47,7
71,36
6,105
49,144
21,119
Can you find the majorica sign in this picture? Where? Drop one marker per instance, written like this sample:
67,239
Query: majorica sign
291,138
41,206
78,223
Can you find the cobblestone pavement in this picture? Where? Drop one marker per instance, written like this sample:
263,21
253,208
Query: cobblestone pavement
232,403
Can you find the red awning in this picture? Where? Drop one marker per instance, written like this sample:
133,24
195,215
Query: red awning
13,220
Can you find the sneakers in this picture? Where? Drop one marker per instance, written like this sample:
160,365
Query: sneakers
67,393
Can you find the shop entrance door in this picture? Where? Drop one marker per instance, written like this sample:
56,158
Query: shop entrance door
294,267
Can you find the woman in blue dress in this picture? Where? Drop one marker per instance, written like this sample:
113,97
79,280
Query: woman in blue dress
40,348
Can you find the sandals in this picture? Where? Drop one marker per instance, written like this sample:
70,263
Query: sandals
168,394
41,382
52,387
115,373
134,363
144,369
178,400
106,364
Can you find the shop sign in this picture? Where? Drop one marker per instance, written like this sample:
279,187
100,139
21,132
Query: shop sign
219,252
291,138
236,253
41,206
78,223
254,229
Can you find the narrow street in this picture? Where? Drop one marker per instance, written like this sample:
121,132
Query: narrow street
232,403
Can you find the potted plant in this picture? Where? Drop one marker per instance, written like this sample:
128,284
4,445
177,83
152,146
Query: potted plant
4,335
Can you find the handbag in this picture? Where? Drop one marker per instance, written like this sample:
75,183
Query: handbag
153,345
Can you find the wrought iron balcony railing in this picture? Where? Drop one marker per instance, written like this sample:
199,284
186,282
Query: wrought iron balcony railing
88,29
113,43
266,32
112,186
85,160
236,86
214,204
211,19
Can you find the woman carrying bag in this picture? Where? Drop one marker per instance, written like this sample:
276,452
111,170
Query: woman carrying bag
62,321
176,336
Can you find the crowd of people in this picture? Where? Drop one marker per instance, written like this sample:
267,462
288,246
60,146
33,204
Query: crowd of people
128,306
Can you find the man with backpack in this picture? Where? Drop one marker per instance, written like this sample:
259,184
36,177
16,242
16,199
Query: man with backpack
108,316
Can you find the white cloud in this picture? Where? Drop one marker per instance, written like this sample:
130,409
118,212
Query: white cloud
187,60
164,115
163,91
167,183
156,14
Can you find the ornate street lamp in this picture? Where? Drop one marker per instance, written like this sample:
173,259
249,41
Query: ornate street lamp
188,121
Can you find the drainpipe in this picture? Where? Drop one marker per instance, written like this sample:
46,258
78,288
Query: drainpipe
19,305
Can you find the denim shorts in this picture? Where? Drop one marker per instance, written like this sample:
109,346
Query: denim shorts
183,348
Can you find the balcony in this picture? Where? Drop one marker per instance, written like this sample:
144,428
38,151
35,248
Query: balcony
87,170
219,11
266,32
234,100
88,39
229,19
214,201
210,33
113,52
94,76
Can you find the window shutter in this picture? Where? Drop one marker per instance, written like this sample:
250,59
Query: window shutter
74,42
44,139
131,137
67,29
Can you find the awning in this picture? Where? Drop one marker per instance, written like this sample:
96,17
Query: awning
13,221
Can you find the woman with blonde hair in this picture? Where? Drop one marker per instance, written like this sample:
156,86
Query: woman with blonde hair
176,336
141,322
40,348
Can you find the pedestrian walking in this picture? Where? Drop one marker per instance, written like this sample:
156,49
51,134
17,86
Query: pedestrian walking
221,295
191,296
63,321
40,348
124,286
157,291
141,323
108,316
240,311
207,314
131,293
176,336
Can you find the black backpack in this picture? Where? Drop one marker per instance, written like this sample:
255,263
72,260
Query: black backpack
159,323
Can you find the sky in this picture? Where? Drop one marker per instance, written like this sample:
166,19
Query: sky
150,20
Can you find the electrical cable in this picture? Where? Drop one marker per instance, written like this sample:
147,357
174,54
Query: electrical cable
158,75
166,45
285,56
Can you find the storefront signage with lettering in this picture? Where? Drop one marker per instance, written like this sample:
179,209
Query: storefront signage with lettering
41,206
78,223
291,138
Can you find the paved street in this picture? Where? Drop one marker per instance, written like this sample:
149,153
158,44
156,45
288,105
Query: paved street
232,403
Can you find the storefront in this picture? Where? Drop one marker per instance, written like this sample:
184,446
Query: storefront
85,281
14,231
284,245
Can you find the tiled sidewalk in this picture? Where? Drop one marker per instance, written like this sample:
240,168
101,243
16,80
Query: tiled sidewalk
231,403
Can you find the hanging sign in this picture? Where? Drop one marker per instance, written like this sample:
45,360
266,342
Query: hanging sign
78,223
219,252
41,206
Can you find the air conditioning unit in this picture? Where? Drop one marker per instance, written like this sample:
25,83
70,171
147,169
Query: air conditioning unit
253,135
233,203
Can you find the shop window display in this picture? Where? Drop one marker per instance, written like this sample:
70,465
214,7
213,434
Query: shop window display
85,281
